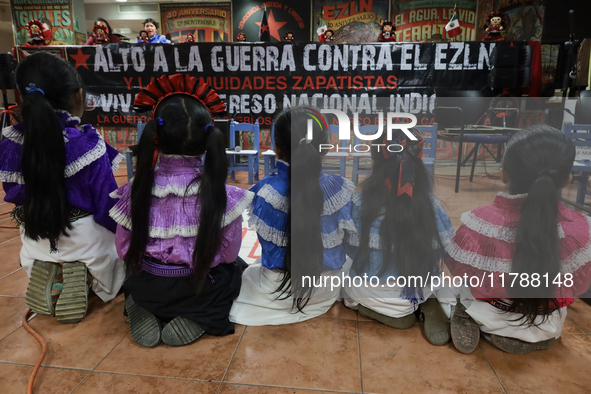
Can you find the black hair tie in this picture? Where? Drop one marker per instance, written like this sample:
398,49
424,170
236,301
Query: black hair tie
549,173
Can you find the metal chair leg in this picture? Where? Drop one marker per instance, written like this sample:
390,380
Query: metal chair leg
485,146
468,156
499,152
474,161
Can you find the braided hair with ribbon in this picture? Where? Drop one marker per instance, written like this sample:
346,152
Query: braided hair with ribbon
181,123
398,193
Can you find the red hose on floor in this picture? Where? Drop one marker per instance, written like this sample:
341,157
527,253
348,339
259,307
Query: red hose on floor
40,339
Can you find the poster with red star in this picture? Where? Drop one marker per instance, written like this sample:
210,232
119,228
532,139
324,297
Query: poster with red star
352,22
282,17
207,22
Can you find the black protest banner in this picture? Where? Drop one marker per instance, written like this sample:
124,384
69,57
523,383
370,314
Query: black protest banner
258,80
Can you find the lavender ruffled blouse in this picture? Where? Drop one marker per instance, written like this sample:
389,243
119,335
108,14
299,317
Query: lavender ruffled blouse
174,215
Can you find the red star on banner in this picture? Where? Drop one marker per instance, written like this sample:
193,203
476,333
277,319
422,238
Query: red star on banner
274,26
264,28
80,59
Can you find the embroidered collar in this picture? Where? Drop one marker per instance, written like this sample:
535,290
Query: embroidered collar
69,123
512,196
179,164
67,119
509,201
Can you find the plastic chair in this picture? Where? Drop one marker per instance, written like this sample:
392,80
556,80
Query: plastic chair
357,156
581,136
252,154
429,133
339,154
129,154
580,133
269,155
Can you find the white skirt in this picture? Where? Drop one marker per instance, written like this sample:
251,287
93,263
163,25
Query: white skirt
257,304
89,243
387,300
495,321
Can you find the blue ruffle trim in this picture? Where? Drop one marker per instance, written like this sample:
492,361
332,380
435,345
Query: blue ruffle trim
268,213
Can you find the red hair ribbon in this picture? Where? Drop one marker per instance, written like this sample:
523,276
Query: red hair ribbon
406,176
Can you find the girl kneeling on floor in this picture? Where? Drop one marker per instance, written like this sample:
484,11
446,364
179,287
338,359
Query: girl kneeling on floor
524,234
300,216
180,228
401,233
59,175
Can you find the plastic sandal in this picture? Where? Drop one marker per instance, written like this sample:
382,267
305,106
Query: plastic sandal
144,327
181,331
72,303
38,297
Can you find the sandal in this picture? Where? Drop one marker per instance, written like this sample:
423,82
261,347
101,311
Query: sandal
38,297
144,327
181,331
72,303
436,322
400,323
516,346
465,332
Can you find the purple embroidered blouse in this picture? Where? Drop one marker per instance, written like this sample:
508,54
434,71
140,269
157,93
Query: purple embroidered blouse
174,217
90,163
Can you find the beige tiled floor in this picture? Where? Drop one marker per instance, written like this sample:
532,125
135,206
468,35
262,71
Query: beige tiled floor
340,352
